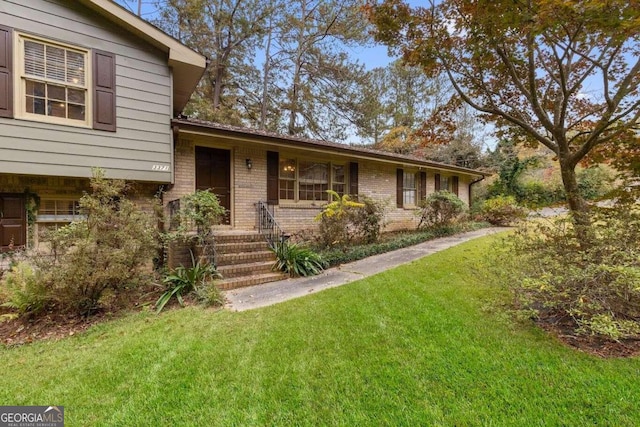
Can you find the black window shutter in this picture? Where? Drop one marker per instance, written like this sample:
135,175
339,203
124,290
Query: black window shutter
104,91
353,179
454,185
423,186
436,178
399,184
273,178
6,71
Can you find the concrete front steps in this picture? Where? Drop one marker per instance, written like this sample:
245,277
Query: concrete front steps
243,258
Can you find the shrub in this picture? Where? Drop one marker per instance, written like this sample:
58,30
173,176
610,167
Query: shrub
368,220
23,290
297,260
184,280
502,210
535,194
201,209
594,182
439,209
335,219
107,250
594,283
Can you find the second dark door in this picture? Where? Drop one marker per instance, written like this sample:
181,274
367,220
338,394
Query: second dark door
213,171
13,222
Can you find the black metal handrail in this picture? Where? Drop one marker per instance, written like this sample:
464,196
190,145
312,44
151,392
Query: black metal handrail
268,226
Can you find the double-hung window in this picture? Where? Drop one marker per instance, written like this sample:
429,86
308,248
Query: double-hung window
287,179
338,179
409,189
313,180
54,82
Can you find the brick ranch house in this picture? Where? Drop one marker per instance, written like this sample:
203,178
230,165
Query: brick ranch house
88,84
291,175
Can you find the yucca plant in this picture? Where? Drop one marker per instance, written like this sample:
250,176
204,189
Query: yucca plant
297,260
184,280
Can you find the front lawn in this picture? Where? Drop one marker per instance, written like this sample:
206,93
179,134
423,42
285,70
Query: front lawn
412,346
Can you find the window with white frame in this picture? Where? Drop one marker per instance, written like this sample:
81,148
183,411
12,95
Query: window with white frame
58,210
53,81
409,189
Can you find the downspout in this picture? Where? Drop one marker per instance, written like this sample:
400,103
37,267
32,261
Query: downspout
471,185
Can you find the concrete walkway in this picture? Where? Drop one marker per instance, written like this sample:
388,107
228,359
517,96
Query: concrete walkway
272,293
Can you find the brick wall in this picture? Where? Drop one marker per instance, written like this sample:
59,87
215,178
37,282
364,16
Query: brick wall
248,186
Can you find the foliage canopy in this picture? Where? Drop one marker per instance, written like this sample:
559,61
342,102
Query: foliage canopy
562,73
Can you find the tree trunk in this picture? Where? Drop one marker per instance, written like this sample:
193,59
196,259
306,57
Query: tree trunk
577,206
265,80
217,86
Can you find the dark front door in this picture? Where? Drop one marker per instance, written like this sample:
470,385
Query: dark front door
13,221
213,171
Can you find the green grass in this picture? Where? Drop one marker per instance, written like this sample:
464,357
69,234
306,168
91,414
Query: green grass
413,346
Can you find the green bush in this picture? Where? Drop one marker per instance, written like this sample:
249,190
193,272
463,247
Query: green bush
368,220
201,209
595,182
107,250
297,260
23,290
502,210
335,226
337,256
535,194
184,280
439,209
594,282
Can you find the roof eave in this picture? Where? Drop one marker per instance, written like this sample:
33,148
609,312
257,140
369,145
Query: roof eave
345,149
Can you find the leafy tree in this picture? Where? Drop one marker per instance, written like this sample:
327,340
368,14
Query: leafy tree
564,74
319,78
228,32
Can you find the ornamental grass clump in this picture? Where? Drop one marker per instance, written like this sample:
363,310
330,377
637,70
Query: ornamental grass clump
297,260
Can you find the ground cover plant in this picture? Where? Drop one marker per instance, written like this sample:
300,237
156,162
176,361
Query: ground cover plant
394,240
415,345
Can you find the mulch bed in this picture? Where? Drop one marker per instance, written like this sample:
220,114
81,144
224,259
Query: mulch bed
52,325
564,330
